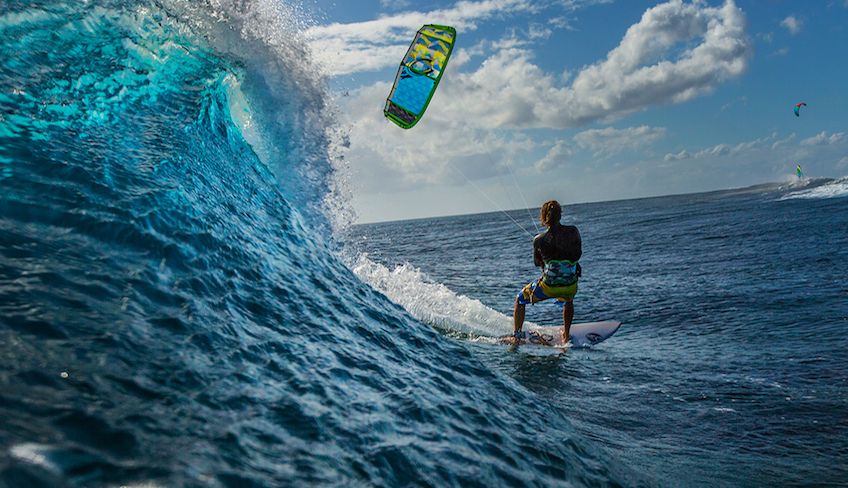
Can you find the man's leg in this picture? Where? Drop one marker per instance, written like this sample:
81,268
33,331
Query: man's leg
567,317
518,315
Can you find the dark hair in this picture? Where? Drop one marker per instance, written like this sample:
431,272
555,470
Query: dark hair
550,213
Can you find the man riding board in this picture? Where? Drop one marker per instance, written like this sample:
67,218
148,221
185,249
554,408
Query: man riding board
557,251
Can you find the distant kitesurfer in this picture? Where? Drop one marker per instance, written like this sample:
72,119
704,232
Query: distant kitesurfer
556,251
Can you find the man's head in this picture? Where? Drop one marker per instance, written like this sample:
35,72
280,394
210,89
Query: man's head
550,213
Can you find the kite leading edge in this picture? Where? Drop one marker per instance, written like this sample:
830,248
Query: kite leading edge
419,74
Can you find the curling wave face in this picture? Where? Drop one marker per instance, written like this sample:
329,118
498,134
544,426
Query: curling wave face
173,310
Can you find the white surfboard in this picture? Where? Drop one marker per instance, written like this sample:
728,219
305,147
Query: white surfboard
582,335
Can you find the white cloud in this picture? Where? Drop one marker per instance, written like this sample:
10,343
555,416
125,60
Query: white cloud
782,142
824,139
561,23
609,140
680,156
556,156
792,24
510,90
577,4
342,49
539,31
723,150
676,51
635,74
439,150
395,4
768,157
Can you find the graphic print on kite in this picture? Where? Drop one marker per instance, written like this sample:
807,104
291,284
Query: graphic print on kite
419,74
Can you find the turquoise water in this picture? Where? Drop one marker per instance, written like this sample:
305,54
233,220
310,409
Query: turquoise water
177,308
170,309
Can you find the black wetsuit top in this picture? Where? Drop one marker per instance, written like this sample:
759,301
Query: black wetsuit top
559,242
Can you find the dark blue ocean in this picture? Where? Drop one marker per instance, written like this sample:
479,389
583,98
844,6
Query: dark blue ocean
184,303
731,367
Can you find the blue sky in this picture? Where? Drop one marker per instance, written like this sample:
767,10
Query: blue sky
587,100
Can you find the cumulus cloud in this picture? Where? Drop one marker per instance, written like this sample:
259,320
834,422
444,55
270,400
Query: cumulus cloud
723,150
439,150
824,139
792,24
342,49
395,4
577,4
676,51
510,90
636,74
561,23
769,158
475,125
609,140
539,31
556,156
679,156
773,153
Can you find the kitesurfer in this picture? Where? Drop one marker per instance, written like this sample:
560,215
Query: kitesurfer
557,251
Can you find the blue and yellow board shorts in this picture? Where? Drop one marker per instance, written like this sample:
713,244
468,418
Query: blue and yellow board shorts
540,291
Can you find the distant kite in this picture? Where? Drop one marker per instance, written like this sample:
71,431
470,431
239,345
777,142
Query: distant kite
799,172
797,108
419,74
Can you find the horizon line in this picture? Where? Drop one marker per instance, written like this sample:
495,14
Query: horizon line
769,183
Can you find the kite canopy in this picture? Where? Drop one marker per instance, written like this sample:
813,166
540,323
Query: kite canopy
797,108
419,74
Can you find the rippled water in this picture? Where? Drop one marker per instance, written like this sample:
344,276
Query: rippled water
176,308
731,366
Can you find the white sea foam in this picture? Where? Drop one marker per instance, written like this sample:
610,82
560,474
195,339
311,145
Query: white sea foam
39,455
430,302
832,189
36,454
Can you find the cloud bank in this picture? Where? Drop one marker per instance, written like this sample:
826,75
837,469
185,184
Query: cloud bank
651,65
342,49
496,106
676,52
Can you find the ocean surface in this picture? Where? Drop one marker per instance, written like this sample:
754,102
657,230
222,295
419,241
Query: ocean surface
731,366
184,303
